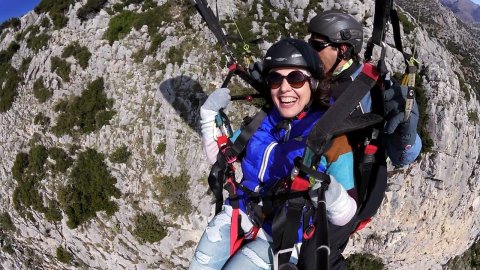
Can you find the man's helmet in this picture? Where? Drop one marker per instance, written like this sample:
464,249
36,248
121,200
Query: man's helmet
290,52
338,27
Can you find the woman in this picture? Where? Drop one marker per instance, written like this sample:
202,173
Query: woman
292,71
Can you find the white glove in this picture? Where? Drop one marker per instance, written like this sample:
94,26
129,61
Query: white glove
340,206
217,100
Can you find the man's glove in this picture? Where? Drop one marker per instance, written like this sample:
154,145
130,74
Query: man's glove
217,100
402,132
340,206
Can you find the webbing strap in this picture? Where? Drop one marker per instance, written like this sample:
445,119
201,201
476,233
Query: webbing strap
246,133
325,128
285,226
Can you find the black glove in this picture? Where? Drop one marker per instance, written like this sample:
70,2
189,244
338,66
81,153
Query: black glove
403,132
256,69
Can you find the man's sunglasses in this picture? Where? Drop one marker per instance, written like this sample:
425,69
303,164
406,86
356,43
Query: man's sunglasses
296,79
319,45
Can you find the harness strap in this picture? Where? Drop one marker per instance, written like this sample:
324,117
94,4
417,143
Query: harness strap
247,132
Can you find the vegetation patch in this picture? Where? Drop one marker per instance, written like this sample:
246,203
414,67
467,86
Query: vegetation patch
364,262
148,228
25,65
161,147
61,67
174,193
56,10
28,170
120,25
9,78
6,223
120,155
92,7
41,119
408,26
85,113
470,259
62,160
13,23
80,53
89,189
64,256
41,92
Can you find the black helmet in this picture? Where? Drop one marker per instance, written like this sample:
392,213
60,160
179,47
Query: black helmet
290,52
338,27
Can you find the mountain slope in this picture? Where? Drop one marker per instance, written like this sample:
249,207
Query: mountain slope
119,83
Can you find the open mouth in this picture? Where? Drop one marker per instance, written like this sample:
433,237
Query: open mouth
287,100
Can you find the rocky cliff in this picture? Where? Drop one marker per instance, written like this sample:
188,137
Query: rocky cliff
158,62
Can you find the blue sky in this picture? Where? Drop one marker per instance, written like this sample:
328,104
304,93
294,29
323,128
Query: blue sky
15,8
474,1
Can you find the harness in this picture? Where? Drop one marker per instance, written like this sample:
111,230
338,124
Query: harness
292,191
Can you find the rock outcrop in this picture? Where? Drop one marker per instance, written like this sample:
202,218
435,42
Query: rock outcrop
431,211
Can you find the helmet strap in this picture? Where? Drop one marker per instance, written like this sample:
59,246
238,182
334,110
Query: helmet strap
337,61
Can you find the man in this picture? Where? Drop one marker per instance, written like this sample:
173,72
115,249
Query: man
338,37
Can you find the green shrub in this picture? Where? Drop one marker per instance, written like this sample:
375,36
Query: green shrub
36,43
45,22
470,259
64,256
41,92
148,228
6,223
9,80
25,65
89,189
174,193
408,26
52,212
148,4
175,55
20,166
61,67
13,23
91,7
120,155
36,159
26,194
161,147
56,9
88,112
119,26
364,262
41,119
473,117
81,54
62,160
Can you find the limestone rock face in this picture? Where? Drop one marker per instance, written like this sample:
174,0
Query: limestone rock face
431,210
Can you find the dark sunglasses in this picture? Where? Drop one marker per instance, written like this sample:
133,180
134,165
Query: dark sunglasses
319,45
296,79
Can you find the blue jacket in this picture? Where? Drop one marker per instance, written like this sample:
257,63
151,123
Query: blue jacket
271,150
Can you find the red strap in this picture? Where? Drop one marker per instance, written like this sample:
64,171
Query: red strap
232,67
300,184
235,240
222,141
371,71
362,224
370,149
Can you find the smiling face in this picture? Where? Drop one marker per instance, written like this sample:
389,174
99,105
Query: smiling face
289,100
